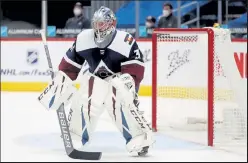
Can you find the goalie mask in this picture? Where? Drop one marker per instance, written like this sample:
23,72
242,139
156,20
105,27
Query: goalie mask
104,26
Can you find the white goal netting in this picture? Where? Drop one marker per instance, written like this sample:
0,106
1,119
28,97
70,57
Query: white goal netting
200,95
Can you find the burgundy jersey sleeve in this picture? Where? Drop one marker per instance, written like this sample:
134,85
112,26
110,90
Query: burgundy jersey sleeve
71,63
134,65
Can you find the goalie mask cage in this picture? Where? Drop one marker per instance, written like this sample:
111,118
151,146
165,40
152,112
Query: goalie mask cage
191,95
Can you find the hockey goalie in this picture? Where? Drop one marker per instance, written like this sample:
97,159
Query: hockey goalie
115,72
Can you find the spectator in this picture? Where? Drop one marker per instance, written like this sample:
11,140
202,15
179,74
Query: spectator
78,21
150,25
167,20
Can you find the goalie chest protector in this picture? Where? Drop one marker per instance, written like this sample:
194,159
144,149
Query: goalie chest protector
105,62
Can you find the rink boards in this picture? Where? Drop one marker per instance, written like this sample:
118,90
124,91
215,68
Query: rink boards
24,66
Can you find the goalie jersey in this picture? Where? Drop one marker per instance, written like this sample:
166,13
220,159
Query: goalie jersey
121,55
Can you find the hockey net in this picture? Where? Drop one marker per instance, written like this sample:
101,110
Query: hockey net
197,91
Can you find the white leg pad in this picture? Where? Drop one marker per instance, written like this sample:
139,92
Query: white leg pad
131,124
137,143
87,106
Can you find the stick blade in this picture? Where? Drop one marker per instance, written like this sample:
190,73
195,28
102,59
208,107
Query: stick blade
82,155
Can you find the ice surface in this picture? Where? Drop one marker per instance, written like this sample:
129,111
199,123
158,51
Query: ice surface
31,133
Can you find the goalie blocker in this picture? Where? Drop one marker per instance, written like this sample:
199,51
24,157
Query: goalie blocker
116,94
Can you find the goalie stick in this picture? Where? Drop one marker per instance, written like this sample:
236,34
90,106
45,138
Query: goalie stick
66,136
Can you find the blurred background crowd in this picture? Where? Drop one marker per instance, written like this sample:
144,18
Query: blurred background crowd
67,18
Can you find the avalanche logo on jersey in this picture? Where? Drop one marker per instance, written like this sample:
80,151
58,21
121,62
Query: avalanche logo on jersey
103,71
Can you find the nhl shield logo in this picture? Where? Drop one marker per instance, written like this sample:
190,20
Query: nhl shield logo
32,57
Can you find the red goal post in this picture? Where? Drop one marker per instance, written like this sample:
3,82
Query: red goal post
200,42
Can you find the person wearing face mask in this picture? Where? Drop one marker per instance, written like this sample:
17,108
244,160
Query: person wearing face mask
78,21
167,20
150,25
